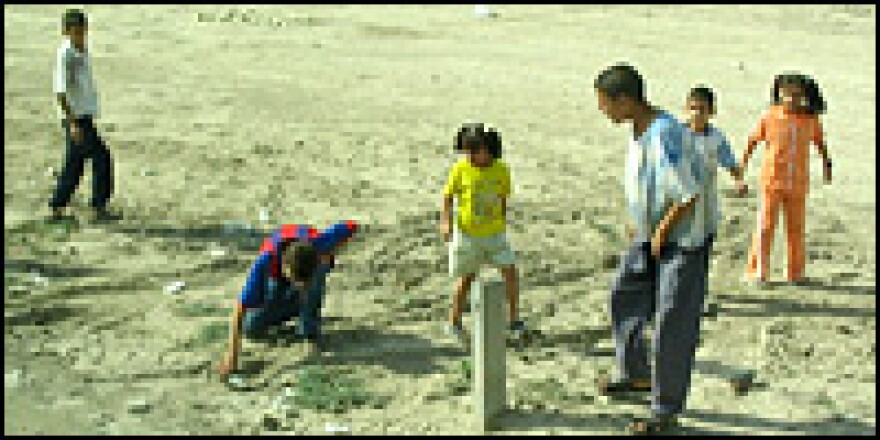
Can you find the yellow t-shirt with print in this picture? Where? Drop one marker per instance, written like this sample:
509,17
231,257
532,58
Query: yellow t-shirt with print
479,192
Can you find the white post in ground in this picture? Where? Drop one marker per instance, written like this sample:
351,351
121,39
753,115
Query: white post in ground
489,351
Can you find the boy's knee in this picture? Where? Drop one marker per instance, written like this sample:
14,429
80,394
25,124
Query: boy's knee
253,329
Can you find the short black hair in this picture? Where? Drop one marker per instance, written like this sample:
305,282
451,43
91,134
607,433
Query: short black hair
621,80
74,17
815,102
302,258
702,94
476,134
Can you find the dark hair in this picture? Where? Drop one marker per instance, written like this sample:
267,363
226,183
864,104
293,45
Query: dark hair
74,17
474,135
702,94
302,259
621,80
815,102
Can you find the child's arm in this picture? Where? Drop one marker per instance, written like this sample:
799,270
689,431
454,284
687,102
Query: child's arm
449,190
63,77
757,135
446,217
331,240
250,297
727,160
819,141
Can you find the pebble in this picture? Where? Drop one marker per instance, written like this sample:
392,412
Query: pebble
138,406
236,382
218,253
145,172
610,261
12,379
334,428
175,287
270,422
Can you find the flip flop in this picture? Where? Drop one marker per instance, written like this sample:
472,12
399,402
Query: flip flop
655,425
608,387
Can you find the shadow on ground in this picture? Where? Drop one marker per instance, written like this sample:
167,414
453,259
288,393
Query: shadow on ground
543,419
840,425
13,265
776,306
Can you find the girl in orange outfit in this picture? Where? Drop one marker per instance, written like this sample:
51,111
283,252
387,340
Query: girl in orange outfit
787,129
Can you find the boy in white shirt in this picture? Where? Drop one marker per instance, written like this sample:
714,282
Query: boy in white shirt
78,106
714,150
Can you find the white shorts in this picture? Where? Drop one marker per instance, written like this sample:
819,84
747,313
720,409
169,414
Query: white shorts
468,253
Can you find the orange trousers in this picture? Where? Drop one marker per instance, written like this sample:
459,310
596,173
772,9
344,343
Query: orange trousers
792,204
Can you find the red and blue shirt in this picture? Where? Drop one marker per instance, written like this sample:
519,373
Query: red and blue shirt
268,263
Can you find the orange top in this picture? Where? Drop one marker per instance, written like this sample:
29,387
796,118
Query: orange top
787,137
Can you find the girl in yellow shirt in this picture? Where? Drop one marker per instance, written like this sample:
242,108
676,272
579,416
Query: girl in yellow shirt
481,182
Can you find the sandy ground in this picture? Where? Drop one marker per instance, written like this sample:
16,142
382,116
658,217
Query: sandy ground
320,113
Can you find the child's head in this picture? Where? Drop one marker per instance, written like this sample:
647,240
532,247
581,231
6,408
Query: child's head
299,261
74,25
621,91
700,106
798,93
482,145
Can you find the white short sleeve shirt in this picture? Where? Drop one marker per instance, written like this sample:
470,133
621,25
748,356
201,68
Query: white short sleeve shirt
73,77
715,152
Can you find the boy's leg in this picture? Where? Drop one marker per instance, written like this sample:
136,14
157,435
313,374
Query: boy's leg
282,304
102,166
632,304
762,241
710,242
311,301
71,172
680,295
793,207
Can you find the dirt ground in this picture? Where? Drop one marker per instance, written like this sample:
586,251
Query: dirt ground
321,113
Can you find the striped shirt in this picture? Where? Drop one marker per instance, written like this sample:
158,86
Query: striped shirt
268,264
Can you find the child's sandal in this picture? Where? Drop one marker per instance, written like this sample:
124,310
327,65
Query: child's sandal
609,387
656,425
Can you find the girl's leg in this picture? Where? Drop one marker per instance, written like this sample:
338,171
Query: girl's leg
511,283
794,210
762,241
462,286
502,256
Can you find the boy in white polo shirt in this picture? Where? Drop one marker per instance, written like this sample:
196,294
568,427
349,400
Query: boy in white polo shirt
78,106
714,150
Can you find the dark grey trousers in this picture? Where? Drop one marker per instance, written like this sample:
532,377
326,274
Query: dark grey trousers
670,291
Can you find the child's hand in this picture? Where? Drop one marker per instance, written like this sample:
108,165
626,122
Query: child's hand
741,188
446,230
226,366
657,241
327,259
75,132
